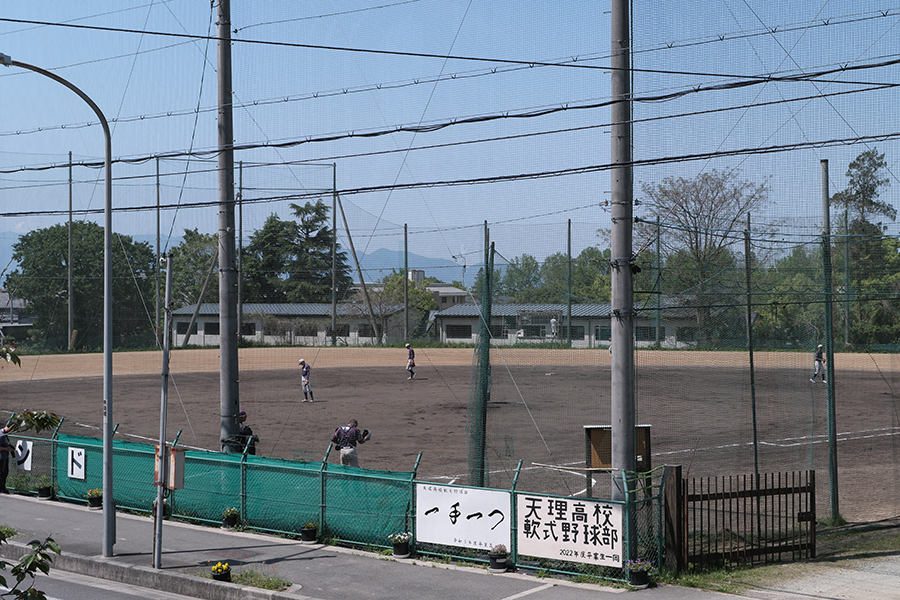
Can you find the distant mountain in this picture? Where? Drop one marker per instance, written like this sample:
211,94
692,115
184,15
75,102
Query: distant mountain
383,262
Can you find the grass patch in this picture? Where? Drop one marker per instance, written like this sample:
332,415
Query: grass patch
8,532
260,577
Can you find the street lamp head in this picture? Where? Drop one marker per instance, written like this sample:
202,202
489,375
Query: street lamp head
5,59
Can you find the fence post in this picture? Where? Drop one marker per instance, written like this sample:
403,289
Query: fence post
673,517
244,486
513,528
322,491
53,444
411,514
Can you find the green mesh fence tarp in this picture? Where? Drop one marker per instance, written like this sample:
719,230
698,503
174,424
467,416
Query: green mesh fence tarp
358,505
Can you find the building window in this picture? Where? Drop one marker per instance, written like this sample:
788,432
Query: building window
211,328
459,331
577,331
248,328
443,299
603,333
365,330
343,330
497,330
644,333
308,329
686,334
182,328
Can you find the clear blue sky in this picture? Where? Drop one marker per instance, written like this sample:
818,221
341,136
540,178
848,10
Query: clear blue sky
152,85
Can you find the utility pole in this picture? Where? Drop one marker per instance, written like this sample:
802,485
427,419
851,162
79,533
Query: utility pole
159,257
229,400
333,255
622,304
71,288
405,283
829,347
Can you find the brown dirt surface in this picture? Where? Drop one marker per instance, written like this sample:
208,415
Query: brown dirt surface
698,404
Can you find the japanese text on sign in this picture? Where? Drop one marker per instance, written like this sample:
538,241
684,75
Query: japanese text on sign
586,531
467,517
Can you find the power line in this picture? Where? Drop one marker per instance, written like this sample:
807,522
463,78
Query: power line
485,118
506,178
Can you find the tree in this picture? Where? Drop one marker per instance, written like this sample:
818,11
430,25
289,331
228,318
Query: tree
311,277
590,276
267,260
861,196
700,216
478,284
864,242
554,277
287,261
42,275
521,279
191,263
38,559
389,300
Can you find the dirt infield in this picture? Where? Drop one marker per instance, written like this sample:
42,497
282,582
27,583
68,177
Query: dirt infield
698,404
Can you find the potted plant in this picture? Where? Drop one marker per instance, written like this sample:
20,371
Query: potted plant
221,571
400,542
230,516
640,572
497,557
308,533
95,498
44,487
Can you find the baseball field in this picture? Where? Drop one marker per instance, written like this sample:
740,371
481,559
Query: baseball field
702,407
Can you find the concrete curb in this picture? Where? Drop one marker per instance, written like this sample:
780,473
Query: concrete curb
147,577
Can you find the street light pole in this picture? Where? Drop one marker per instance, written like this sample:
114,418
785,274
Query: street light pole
109,509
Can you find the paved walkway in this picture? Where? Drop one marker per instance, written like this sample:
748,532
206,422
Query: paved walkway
331,573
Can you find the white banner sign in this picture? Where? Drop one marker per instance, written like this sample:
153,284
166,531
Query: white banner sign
23,455
76,463
466,517
577,530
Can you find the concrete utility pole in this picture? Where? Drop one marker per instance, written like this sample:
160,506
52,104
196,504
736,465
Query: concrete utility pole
829,345
229,399
71,288
622,321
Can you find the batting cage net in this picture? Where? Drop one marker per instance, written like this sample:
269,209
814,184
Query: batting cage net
451,187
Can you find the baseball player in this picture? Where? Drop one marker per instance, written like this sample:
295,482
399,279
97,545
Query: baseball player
411,362
819,364
304,381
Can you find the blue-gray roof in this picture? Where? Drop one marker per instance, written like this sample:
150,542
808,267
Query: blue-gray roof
512,310
311,309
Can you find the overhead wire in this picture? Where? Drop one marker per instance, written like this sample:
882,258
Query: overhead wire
572,171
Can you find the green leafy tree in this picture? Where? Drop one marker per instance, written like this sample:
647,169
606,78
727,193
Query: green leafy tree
268,259
521,279
478,284
191,263
388,303
554,284
866,251
310,280
590,276
289,261
866,178
42,280
788,312
26,569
